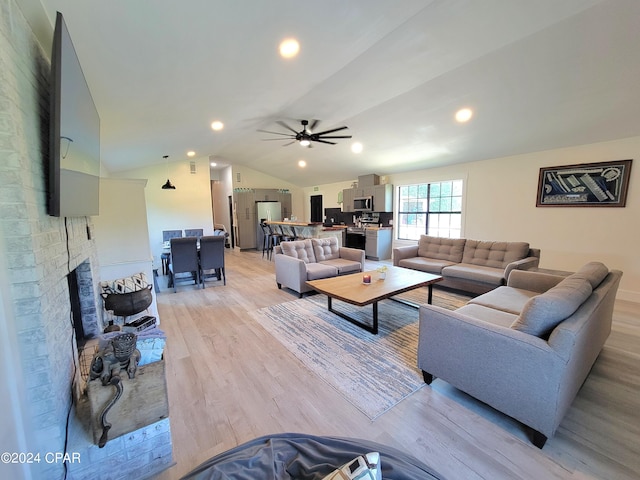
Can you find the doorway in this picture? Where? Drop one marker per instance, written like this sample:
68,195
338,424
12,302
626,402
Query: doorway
316,208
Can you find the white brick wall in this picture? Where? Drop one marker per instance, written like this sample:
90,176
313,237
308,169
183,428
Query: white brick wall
38,263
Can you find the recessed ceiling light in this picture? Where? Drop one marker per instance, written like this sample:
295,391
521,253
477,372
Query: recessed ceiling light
356,147
302,163
464,115
289,48
213,164
217,125
191,153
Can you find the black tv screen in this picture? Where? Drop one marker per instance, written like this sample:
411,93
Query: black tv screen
74,156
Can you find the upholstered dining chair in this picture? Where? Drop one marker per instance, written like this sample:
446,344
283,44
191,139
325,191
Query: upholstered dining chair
167,235
212,258
184,259
193,232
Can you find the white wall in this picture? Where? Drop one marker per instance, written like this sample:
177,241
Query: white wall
121,231
501,205
329,192
188,206
250,178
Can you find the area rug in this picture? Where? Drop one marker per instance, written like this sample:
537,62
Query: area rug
373,372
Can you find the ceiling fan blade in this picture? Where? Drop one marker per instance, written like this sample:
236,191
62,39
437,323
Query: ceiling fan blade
324,141
335,136
278,139
330,131
287,144
274,133
314,124
282,124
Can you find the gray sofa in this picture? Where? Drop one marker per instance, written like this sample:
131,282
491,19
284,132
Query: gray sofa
471,265
312,259
525,348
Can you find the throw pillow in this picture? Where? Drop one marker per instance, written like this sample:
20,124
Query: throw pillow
544,312
125,285
364,467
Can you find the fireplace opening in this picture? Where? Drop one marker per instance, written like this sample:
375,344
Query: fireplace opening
86,323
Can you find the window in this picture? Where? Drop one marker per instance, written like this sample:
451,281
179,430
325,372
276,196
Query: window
430,208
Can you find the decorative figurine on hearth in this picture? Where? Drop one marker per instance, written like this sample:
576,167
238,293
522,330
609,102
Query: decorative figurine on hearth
120,354
107,364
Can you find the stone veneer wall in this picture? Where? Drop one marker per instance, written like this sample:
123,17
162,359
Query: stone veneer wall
40,251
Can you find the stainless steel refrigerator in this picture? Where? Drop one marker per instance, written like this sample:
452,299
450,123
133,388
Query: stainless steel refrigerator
270,211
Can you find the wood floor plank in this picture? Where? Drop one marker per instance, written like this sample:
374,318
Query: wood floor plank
230,381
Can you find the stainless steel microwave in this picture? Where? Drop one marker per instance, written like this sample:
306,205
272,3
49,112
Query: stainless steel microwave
363,204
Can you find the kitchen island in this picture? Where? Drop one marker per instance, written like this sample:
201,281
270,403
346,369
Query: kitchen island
309,229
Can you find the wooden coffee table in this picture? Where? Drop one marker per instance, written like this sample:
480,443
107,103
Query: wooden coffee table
351,289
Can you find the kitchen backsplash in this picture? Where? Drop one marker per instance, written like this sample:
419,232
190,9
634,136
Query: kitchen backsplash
339,216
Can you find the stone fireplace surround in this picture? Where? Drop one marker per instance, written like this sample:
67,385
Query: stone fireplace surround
38,253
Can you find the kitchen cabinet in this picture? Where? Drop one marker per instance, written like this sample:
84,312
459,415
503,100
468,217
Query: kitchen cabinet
246,219
347,199
378,243
382,197
246,215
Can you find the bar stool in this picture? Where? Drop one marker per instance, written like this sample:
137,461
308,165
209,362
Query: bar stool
266,239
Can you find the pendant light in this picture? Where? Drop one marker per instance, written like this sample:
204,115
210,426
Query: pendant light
167,185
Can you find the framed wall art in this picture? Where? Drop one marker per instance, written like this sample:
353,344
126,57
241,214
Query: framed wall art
602,184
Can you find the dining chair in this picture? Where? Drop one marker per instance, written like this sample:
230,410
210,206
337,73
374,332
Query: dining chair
193,232
212,258
184,259
167,235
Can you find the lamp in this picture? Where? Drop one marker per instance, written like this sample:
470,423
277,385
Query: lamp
168,185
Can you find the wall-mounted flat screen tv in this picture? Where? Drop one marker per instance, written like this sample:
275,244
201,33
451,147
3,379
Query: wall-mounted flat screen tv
74,154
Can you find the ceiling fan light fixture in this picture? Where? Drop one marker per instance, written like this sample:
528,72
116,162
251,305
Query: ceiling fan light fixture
305,143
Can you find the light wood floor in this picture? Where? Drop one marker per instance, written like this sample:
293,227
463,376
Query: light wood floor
229,381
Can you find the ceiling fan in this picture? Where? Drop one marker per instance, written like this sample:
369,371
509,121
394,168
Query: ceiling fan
307,135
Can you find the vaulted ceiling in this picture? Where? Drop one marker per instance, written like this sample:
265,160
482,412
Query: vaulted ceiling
537,74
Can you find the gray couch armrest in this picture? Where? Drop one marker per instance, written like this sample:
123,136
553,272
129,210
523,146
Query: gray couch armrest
510,370
353,254
523,264
533,281
290,272
400,253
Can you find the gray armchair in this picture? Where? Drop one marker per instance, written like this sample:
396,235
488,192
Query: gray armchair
312,259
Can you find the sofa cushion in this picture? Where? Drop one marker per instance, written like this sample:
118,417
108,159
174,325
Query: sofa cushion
343,265
440,248
325,248
494,254
544,312
316,271
507,299
593,272
425,264
489,315
478,273
300,249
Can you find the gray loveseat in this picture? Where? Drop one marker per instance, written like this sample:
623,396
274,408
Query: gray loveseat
525,348
472,265
313,259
